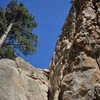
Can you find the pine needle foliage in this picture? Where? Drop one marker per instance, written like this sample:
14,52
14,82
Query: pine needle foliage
20,38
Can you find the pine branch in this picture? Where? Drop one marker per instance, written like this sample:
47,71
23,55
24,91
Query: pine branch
12,36
14,43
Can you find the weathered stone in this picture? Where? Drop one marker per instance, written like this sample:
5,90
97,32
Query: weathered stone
74,72
21,81
76,75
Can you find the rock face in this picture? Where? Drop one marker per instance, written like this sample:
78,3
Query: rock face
21,81
75,65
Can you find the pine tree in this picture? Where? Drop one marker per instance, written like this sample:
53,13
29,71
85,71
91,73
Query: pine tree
16,26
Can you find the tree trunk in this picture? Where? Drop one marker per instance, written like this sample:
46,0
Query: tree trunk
4,36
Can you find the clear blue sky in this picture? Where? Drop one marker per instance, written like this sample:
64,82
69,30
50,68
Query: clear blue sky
50,16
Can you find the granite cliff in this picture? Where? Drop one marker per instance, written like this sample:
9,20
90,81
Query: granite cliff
21,81
75,65
74,72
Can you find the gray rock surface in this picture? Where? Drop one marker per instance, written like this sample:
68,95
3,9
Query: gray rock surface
21,81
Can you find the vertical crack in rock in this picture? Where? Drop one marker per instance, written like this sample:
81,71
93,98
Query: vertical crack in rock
74,69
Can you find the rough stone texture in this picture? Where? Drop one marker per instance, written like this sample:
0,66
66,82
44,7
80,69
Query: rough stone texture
21,81
74,69
74,72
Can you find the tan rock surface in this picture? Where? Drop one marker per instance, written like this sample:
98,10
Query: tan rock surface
74,72
74,69
21,81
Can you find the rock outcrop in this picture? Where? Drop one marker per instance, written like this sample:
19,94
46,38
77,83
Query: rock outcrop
74,72
75,66
21,81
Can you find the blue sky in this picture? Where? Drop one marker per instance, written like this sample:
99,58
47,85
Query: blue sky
50,16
